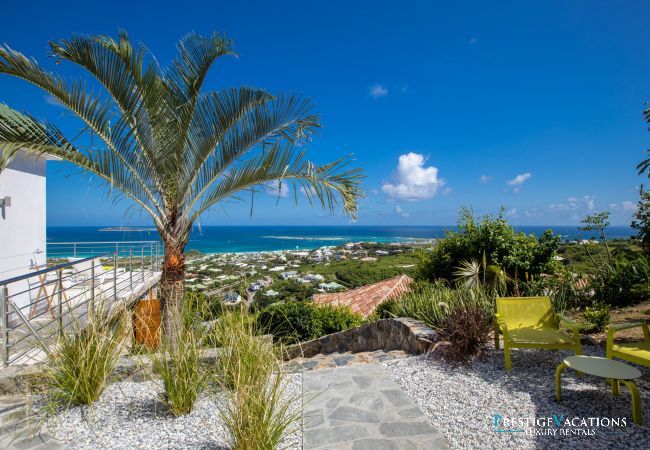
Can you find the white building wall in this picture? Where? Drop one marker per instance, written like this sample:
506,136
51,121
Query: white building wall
23,223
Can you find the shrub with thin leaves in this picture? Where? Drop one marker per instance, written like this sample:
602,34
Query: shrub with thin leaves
464,333
432,302
83,360
258,413
178,364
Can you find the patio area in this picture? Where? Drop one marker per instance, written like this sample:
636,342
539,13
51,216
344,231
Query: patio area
78,280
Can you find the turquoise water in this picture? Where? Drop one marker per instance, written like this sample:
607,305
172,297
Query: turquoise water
222,239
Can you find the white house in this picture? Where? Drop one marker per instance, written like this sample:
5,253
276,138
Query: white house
22,220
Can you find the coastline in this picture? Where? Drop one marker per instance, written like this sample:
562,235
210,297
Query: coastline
255,239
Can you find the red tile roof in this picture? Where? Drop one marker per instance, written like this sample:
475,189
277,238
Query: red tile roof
365,299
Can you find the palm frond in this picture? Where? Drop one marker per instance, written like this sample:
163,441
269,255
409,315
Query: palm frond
23,132
261,121
468,274
327,185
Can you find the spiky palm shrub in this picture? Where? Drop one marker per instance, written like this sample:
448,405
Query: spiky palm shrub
154,135
258,413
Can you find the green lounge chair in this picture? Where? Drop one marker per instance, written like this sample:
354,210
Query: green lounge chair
635,352
529,322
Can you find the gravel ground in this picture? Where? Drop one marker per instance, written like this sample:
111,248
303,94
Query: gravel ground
129,415
462,401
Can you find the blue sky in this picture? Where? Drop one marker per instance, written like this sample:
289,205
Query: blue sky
534,106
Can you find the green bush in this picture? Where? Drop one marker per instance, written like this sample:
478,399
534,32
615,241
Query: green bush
301,321
598,315
362,274
561,288
336,318
624,282
387,309
493,239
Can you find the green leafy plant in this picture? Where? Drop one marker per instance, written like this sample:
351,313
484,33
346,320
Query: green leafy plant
471,275
300,321
83,361
641,222
622,283
387,309
333,319
598,315
566,289
492,241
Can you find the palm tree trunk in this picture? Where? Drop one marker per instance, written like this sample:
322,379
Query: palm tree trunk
172,290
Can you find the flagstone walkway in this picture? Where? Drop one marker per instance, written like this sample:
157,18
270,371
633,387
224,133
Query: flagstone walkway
349,402
360,407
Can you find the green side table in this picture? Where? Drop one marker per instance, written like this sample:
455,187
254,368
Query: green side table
604,368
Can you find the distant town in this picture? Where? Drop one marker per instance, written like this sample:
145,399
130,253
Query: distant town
267,277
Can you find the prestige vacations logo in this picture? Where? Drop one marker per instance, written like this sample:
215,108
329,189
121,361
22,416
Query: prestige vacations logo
557,425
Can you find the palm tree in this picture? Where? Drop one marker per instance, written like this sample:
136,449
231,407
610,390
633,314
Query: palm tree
174,150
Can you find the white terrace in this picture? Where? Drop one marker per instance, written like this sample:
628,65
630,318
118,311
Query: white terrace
40,301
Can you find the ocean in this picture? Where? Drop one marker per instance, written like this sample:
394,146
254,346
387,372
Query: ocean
226,239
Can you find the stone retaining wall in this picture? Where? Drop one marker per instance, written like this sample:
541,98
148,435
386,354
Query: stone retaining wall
409,335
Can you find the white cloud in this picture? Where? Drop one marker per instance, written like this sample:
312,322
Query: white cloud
399,211
277,188
377,91
629,206
518,181
623,206
375,191
573,204
512,212
484,179
447,191
414,181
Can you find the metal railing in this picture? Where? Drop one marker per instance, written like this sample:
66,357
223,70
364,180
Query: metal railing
60,297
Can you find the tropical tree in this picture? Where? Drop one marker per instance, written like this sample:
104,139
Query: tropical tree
176,151
641,221
597,222
644,166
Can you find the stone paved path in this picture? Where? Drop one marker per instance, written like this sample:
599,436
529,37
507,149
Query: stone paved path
16,428
360,407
